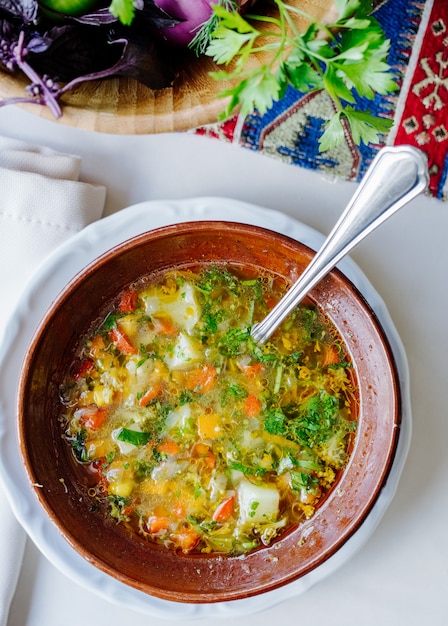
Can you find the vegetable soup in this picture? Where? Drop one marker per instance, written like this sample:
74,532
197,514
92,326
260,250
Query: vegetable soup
193,435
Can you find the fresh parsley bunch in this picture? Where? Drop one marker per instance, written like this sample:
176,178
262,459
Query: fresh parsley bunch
345,58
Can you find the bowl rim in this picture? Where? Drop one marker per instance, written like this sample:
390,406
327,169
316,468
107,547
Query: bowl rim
166,232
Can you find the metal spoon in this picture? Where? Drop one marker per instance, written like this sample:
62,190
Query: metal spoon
396,176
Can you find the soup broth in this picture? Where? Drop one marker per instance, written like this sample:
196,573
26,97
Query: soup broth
193,435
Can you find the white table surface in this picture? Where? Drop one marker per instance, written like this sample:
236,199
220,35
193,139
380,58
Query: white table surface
400,576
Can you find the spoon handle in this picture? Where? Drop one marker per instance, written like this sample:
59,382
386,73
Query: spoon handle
396,176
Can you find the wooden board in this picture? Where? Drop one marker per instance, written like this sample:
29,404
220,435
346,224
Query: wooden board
123,106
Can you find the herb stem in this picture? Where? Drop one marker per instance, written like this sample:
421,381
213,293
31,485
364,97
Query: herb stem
45,95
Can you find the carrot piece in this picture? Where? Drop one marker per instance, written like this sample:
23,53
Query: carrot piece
97,346
179,511
128,301
122,341
93,417
157,524
253,370
202,451
224,510
151,394
186,539
164,326
201,380
252,405
331,356
169,447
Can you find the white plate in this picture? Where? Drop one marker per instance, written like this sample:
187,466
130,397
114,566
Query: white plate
49,279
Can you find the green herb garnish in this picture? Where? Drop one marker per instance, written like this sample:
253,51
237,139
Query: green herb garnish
135,437
349,61
124,10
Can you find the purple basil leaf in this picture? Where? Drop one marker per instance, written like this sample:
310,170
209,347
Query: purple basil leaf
75,51
144,65
143,60
147,12
96,18
38,43
24,10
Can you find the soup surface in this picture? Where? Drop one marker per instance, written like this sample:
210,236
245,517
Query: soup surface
192,434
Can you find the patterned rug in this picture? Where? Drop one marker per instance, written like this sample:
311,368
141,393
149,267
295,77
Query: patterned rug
289,131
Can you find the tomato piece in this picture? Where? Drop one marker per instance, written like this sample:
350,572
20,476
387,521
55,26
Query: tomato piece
224,510
93,417
201,380
82,368
122,341
252,405
128,302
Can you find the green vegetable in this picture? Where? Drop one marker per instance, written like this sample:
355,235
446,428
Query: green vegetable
275,422
143,469
318,420
350,61
79,446
134,437
69,7
233,342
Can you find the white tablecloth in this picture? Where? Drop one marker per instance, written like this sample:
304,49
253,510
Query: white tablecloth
400,576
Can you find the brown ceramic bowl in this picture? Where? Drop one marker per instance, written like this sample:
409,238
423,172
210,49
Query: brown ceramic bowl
157,571
124,106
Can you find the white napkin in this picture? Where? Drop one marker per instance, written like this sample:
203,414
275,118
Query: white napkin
42,203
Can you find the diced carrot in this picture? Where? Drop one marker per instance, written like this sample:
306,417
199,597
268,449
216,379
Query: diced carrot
97,346
122,341
224,510
164,326
186,539
168,446
203,451
157,524
200,380
252,405
128,301
179,510
151,394
254,370
93,417
331,356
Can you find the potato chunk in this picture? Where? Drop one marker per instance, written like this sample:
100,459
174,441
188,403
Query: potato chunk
257,504
181,306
